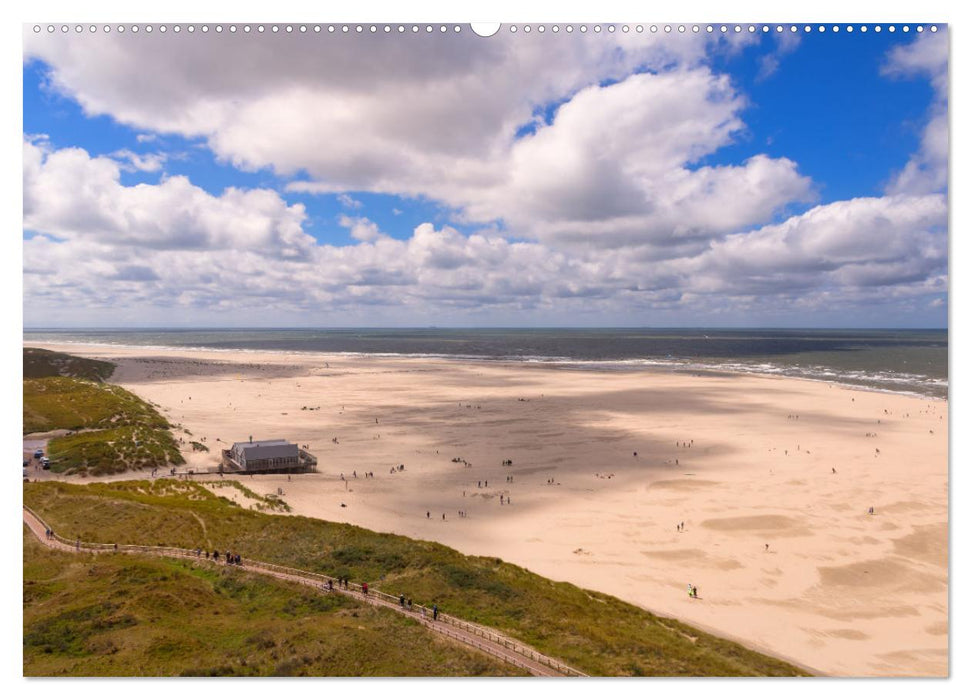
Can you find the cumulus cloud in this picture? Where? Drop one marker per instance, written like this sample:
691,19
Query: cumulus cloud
69,194
361,228
861,243
134,255
437,116
613,167
583,162
144,162
926,56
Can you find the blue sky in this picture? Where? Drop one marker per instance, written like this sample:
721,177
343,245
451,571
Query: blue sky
675,181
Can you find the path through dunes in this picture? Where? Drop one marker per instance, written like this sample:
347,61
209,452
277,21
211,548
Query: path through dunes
485,640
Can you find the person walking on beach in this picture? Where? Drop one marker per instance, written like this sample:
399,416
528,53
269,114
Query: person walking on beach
766,548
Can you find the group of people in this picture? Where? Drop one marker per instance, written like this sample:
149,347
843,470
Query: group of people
692,591
229,556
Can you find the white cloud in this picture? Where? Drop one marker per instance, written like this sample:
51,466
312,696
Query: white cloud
171,251
69,194
437,117
926,171
145,162
860,243
361,228
619,210
348,202
786,43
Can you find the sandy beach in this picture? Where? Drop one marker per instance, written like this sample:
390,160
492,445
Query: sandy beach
773,479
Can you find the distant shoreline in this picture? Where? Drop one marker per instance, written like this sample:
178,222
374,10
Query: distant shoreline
548,362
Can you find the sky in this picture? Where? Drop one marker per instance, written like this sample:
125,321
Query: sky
525,179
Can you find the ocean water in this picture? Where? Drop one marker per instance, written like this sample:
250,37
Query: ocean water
904,361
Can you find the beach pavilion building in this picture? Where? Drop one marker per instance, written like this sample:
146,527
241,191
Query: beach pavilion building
267,456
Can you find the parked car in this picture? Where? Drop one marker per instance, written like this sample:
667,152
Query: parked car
45,463
26,462
38,453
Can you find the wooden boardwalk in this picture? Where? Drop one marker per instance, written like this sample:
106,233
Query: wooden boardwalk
484,639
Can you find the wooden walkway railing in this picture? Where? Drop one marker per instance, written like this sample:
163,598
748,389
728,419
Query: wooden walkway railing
483,638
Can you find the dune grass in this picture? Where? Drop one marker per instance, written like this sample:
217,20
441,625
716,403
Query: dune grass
596,633
47,363
124,615
120,431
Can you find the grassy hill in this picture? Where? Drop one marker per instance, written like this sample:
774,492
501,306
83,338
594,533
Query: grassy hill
123,615
117,430
596,633
47,363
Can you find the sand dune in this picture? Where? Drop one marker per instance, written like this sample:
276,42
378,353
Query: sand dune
838,589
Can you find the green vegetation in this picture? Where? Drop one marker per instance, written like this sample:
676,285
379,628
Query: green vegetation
66,402
124,615
46,363
270,502
119,430
595,633
113,451
198,447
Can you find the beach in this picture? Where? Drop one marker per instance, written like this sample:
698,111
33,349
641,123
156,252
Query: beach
773,479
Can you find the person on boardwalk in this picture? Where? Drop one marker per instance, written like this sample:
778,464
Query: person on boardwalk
401,600
364,588
77,544
434,612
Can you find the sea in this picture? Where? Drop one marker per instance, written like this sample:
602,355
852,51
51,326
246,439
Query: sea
908,361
